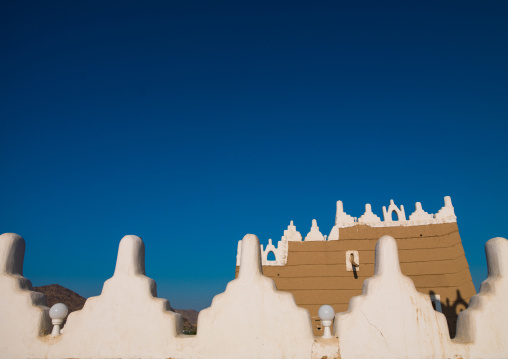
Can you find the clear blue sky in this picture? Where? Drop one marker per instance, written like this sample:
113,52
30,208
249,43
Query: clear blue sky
191,124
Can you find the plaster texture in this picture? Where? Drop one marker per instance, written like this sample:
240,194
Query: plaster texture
369,217
280,252
387,213
251,319
391,319
419,217
485,323
447,213
126,321
327,348
342,219
291,234
314,234
24,316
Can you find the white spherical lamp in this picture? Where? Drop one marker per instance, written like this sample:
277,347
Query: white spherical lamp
57,313
326,314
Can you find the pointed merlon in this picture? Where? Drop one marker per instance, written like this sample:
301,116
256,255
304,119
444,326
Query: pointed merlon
12,253
496,251
131,257
250,262
314,234
387,257
342,219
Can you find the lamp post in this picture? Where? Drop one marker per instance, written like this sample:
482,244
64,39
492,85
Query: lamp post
57,313
326,315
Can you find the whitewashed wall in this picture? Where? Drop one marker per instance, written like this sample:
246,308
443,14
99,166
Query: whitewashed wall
251,319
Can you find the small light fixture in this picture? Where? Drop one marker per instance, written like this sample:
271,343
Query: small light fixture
57,313
326,314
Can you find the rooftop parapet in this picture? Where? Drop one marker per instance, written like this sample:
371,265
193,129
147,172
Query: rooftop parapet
343,220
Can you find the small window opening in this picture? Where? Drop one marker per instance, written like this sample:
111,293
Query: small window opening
270,256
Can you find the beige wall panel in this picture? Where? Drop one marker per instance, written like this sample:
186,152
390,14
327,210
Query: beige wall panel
304,271
434,267
428,254
434,280
289,284
366,232
320,297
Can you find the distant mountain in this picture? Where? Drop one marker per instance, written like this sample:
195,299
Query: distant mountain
55,293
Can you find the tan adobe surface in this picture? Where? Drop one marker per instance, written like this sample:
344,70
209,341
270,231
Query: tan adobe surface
431,255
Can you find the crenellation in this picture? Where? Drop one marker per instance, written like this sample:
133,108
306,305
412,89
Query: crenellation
399,211
369,218
393,316
343,220
291,234
252,319
447,213
314,234
420,216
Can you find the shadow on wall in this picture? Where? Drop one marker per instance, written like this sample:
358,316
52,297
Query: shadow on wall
451,310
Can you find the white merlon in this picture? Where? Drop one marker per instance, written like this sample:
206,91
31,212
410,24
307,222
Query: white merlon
314,234
24,315
342,219
420,216
391,319
447,213
280,252
127,311
291,234
387,214
369,218
484,322
251,319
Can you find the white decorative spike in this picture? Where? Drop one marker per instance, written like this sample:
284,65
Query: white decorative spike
291,234
246,321
24,315
342,219
387,214
447,213
251,258
131,257
419,216
391,319
369,217
314,234
387,257
12,253
483,323
264,253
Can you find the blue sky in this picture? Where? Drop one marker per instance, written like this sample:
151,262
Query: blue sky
191,124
